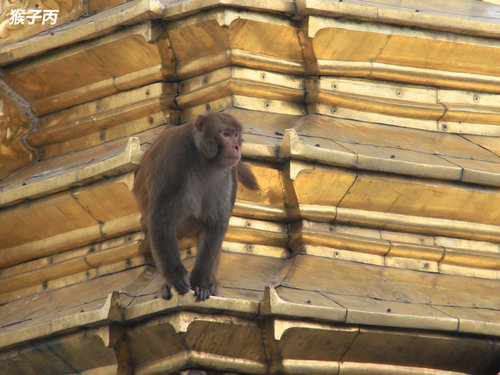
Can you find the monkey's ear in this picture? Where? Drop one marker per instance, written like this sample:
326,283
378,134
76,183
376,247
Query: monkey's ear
198,123
209,148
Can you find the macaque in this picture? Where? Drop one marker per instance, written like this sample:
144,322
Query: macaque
185,187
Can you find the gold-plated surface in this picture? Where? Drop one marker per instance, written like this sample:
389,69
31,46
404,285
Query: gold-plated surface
418,351
85,28
14,126
73,169
417,224
75,220
356,368
366,133
77,349
76,75
104,120
489,143
436,200
372,129
477,18
345,194
98,6
239,82
17,279
67,11
250,34
422,107
389,102
390,149
419,306
398,46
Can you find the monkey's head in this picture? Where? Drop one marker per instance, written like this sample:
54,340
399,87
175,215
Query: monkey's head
217,136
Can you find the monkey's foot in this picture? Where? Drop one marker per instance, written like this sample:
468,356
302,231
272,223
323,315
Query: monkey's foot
201,293
166,292
182,285
205,293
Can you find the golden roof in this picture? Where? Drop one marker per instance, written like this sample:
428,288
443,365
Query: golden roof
373,129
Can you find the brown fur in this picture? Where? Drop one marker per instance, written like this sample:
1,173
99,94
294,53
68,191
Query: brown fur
186,186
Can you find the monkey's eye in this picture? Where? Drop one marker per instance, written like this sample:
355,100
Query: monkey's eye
229,133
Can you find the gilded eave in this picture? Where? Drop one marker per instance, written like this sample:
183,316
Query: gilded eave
373,130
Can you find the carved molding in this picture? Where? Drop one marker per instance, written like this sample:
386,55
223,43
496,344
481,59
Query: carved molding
13,128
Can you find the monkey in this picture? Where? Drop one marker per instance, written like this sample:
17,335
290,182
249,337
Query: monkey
186,187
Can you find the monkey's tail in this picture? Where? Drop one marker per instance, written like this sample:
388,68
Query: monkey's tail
246,177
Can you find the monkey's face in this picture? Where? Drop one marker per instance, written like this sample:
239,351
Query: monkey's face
229,150
217,137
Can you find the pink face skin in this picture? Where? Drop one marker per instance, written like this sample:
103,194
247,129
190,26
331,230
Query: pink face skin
231,154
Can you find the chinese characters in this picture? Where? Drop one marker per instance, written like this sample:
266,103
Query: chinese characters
30,16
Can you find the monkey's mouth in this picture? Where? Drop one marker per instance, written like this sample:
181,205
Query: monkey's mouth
230,160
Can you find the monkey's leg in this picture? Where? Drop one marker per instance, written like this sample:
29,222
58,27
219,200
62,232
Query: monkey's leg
165,250
203,273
